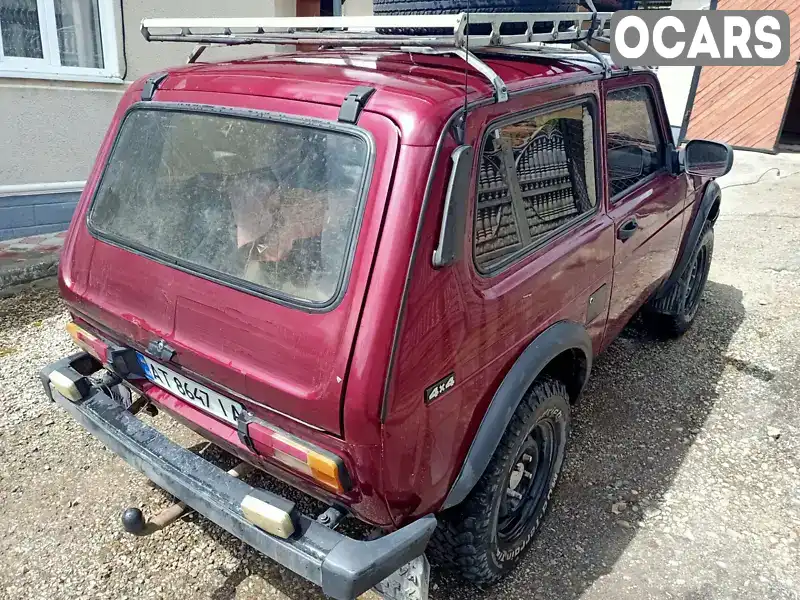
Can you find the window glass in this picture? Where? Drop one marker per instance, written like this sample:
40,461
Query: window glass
79,41
634,146
19,22
271,204
536,176
57,38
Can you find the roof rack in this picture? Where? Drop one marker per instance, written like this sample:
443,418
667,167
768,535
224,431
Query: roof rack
465,33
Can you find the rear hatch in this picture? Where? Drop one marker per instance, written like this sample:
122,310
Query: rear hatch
242,239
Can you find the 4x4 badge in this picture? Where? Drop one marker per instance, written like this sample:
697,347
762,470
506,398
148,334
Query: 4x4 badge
440,387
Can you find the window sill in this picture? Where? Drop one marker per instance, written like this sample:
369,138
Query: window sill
56,76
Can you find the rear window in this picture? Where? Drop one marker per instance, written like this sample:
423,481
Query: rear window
267,205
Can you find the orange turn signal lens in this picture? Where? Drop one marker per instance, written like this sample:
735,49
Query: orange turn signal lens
86,341
323,467
325,470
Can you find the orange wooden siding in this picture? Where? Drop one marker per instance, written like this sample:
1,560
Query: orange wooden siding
744,106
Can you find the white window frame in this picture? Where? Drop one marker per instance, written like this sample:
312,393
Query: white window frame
50,66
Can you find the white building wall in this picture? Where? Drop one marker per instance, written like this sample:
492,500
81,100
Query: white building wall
51,130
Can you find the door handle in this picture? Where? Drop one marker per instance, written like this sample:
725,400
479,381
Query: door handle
627,229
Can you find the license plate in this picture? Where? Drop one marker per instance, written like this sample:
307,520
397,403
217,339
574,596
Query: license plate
190,391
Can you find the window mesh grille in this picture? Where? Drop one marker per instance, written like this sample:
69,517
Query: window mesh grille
551,160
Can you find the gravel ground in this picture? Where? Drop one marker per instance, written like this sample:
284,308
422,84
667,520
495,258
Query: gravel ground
682,479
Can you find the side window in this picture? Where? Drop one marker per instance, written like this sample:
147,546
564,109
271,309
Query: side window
537,176
635,150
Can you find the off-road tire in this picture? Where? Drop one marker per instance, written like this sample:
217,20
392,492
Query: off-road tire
673,315
467,538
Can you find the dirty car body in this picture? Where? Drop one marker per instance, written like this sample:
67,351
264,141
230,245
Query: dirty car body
261,269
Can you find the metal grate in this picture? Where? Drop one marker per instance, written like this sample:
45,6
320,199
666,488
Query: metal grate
457,34
534,172
496,232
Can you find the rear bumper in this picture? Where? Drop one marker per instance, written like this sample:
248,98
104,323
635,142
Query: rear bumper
342,566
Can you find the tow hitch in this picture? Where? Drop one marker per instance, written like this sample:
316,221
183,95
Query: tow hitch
133,520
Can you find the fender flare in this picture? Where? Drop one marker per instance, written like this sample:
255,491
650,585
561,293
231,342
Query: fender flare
710,196
558,338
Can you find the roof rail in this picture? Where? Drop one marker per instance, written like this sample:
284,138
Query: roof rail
464,33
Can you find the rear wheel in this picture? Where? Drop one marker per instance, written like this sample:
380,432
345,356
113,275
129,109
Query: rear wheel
484,537
672,315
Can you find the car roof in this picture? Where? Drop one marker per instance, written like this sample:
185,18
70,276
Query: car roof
419,92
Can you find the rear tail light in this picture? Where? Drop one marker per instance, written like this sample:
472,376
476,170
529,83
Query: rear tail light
89,342
322,466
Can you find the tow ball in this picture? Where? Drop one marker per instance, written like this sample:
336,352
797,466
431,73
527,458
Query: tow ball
133,520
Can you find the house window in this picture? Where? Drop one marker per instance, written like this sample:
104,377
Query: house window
58,39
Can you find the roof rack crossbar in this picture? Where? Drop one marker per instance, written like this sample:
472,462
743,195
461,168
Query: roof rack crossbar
486,31
600,58
500,88
574,52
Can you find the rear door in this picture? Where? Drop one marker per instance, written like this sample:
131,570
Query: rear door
645,203
244,240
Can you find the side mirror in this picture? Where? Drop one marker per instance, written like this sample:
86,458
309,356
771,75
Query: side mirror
626,162
451,235
707,159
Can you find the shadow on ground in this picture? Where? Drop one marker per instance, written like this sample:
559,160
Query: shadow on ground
646,401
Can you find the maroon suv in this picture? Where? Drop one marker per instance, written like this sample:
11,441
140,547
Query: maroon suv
362,273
